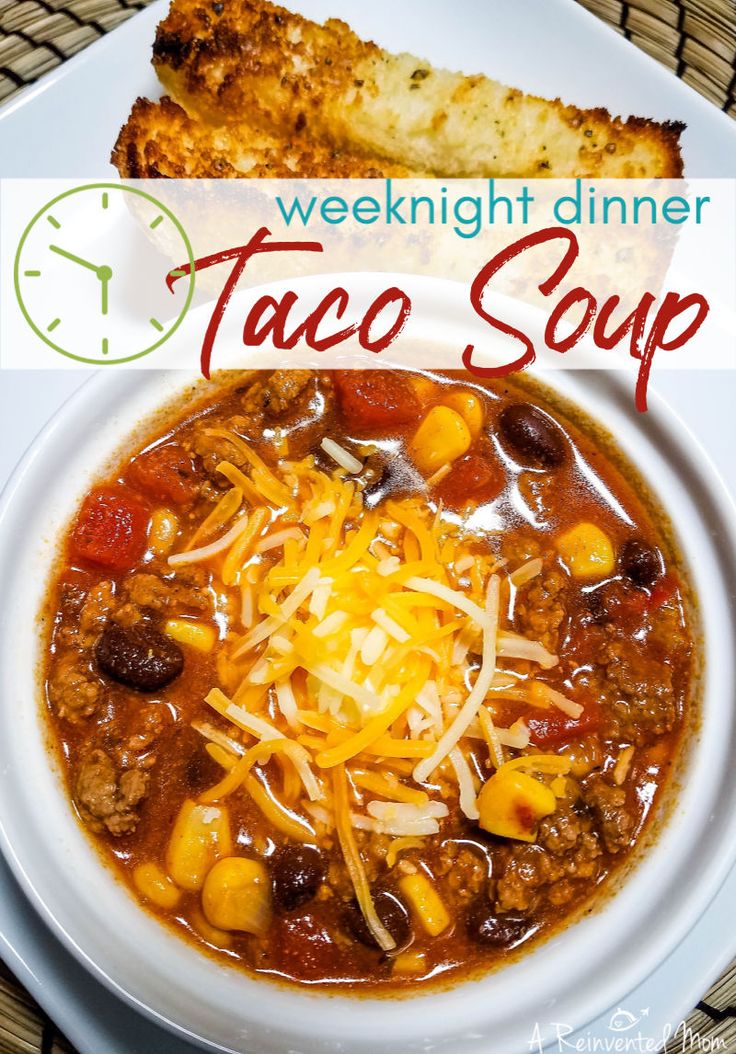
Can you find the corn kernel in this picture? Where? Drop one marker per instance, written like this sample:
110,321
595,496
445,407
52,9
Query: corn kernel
163,532
237,896
587,551
423,387
196,634
511,804
410,962
470,408
211,934
442,437
425,903
201,835
156,886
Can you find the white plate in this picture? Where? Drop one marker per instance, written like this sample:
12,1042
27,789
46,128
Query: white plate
66,124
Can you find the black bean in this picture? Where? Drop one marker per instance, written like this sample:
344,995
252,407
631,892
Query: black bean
392,479
535,440
640,563
138,656
297,872
496,931
390,911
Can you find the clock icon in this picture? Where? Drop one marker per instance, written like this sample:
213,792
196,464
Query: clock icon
91,269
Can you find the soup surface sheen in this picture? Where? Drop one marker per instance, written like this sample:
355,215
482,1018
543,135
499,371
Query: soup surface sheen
367,677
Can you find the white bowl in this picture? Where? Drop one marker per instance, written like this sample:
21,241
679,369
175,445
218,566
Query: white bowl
571,978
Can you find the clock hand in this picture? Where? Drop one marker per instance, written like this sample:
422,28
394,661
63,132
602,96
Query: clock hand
74,259
104,274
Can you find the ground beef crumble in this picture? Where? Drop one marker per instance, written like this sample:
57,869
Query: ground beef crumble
616,821
74,691
106,797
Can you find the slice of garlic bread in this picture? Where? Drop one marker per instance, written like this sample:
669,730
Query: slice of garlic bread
159,140
251,61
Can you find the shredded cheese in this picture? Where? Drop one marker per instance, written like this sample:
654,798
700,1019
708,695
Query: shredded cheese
513,646
622,766
206,552
342,456
353,862
539,690
526,572
468,797
273,541
369,641
452,597
478,692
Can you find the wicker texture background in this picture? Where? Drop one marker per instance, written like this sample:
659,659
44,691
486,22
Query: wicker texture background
696,39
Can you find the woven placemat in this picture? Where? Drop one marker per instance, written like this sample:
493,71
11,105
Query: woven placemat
696,39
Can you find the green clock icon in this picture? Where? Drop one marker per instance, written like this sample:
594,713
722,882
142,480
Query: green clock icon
91,268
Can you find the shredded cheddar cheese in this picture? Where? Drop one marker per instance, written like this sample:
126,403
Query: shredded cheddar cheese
363,658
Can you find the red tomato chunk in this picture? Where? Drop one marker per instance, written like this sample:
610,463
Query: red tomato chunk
551,727
165,473
111,528
376,399
472,480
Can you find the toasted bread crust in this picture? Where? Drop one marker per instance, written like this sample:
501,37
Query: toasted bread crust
159,140
251,61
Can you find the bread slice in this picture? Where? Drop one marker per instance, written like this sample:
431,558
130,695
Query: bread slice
250,61
159,140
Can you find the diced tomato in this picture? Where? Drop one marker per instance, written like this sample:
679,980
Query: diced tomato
111,528
663,591
473,480
551,727
165,473
376,399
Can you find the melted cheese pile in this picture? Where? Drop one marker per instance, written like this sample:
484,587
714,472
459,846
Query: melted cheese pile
366,660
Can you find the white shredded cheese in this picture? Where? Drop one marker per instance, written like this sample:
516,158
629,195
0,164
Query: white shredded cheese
517,736
512,646
335,679
464,564
393,810
281,644
332,624
526,572
428,698
290,606
287,703
472,704
390,625
214,735
437,477
320,598
273,541
319,813
342,456
373,646
255,725
567,706
389,566
451,596
205,552
468,797
246,606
